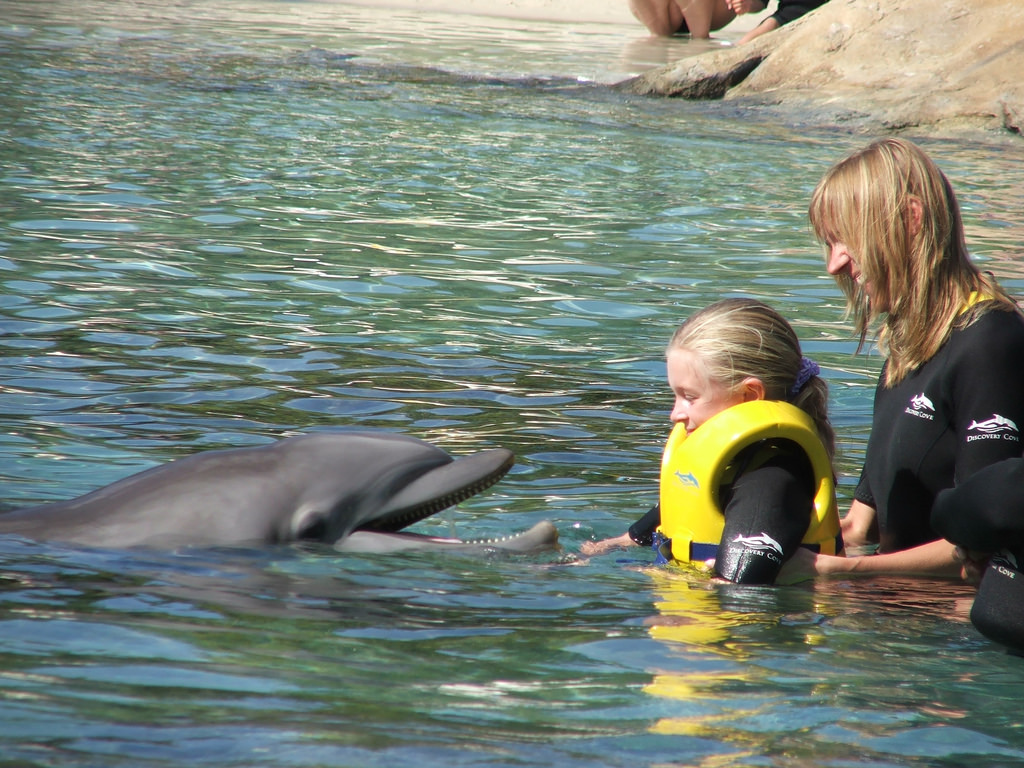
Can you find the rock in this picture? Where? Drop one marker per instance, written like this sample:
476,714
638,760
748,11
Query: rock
872,64
701,77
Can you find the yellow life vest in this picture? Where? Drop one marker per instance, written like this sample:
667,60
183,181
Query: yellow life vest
973,298
695,466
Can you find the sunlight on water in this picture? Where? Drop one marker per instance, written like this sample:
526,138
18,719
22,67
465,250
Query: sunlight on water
226,224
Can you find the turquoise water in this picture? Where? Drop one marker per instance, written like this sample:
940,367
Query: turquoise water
226,223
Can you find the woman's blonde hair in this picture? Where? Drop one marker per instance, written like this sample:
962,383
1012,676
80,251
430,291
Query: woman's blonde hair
923,281
736,339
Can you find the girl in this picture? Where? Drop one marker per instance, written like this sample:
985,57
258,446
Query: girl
733,352
950,398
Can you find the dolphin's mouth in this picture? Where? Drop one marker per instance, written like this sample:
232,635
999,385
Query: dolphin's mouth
543,536
441,488
438,489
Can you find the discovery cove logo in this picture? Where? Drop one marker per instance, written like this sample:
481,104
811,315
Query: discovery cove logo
996,428
688,480
921,407
762,544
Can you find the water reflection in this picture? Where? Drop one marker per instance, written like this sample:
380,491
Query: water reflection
741,683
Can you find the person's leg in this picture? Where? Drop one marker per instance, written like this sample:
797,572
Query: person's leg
661,17
704,16
667,17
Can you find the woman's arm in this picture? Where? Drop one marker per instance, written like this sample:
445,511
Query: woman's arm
988,410
937,558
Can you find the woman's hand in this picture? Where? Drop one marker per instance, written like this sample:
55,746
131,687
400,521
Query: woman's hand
802,566
859,526
972,564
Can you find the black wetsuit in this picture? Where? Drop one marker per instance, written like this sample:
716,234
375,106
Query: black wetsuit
961,411
767,510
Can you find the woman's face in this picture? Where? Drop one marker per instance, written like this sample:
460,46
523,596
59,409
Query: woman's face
697,398
842,262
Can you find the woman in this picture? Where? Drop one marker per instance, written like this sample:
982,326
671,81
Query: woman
736,368
950,397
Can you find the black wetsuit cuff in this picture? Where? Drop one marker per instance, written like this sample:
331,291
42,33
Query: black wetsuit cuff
644,539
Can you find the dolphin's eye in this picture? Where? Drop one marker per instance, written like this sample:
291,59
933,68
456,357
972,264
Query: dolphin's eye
315,531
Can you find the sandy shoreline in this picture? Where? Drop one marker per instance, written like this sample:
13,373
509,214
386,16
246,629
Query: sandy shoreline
568,11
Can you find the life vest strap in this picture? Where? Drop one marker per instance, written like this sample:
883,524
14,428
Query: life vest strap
816,548
701,552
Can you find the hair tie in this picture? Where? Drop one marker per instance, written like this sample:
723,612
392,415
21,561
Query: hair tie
808,370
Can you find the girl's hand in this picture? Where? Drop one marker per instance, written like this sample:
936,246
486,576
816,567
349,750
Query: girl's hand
591,548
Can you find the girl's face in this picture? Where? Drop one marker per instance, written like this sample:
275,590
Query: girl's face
697,398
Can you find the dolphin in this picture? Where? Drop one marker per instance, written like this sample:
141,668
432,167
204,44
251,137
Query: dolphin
322,486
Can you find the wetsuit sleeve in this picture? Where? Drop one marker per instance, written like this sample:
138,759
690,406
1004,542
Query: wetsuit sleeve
862,492
989,380
984,513
791,10
642,531
766,517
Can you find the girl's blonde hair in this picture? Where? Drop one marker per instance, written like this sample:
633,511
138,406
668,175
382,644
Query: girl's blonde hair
924,283
736,339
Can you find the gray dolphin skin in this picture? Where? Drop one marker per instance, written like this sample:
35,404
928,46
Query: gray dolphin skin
322,486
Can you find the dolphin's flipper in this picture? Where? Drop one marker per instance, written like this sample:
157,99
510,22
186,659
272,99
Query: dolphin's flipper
541,537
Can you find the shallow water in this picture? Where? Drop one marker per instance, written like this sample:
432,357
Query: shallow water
230,222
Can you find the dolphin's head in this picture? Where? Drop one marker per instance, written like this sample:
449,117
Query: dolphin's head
321,486
383,482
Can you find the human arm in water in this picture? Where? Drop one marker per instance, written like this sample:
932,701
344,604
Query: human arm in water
639,534
591,548
936,558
